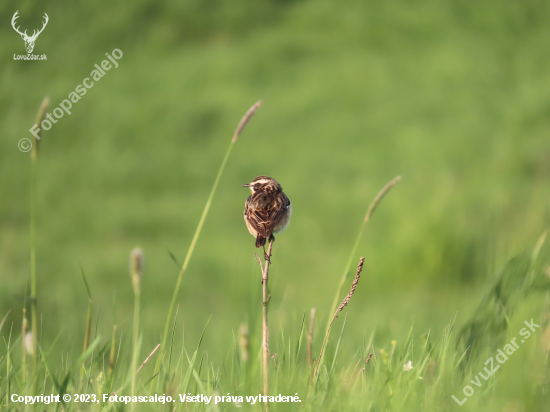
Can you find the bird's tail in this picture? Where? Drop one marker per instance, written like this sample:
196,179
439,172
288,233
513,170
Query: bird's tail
260,241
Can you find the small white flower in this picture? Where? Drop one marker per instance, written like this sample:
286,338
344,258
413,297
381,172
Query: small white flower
408,366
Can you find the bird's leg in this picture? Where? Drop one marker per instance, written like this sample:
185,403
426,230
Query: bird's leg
266,256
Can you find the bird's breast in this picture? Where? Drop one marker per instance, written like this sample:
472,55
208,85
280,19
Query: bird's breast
285,220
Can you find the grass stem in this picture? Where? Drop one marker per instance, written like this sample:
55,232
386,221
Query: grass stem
310,336
87,336
136,267
24,354
265,329
238,131
112,357
34,158
372,207
340,308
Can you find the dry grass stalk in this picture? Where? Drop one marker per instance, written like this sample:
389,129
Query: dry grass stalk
265,330
363,368
368,359
148,357
353,287
314,367
340,308
354,369
310,336
144,362
245,120
274,358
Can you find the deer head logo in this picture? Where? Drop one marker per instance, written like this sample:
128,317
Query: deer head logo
29,40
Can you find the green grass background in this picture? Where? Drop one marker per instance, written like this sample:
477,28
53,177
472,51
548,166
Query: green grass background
454,96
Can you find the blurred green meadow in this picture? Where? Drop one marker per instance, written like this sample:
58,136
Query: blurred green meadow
453,96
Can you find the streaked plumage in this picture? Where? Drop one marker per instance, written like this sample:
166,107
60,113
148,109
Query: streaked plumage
267,210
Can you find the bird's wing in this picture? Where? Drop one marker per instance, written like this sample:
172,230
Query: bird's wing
265,220
259,220
278,213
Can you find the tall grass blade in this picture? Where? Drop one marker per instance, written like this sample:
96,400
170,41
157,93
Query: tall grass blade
4,319
172,340
370,211
339,309
82,358
88,320
338,346
112,359
238,131
50,373
187,377
8,365
34,156
300,336
86,282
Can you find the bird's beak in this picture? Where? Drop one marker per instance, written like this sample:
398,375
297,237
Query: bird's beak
246,185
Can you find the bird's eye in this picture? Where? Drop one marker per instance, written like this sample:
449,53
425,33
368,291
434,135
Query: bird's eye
256,186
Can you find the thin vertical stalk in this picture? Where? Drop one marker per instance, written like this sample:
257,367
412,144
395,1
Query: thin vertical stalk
310,336
339,309
8,367
88,322
34,321
34,158
371,209
265,329
87,336
135,342
238,131
112,354
136,270
24,333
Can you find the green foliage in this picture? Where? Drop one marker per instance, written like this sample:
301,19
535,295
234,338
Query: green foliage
487,328
451,95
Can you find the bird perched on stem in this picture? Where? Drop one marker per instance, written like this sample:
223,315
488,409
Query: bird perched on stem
267,210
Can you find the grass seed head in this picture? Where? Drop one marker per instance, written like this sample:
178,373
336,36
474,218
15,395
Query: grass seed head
245,120
353,286
136,266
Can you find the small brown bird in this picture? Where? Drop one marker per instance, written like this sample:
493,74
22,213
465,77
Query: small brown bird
267,210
